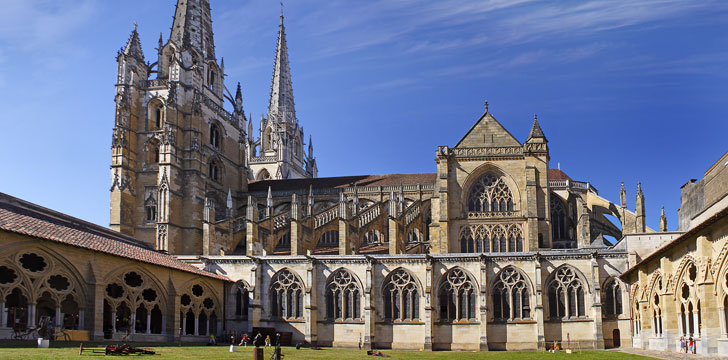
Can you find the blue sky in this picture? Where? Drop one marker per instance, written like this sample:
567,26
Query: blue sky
624,90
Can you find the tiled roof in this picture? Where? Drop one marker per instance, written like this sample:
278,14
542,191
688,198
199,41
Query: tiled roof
343,181
21,217
557,174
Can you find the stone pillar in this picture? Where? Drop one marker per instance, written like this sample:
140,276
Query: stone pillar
256,273
538,309
208,226
164,324
253,245
309,306
149,322
369,308
197,325
429,321
583,226
297,240
3,314
393,226
207,326
597,305
483,306
132,325
344,226
184,325
113,321
81,319
531,211
710,311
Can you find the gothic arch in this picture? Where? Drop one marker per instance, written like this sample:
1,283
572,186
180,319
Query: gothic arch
285,293
415,279
134,301
156,109
483,170
526,278
263,174
200,308
457,295
678,277
576,271
343,295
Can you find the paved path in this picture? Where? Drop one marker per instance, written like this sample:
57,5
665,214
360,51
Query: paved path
666,354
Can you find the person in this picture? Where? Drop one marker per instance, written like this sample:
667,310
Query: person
267,341
256,340
244,340
691,345
682,345
212,340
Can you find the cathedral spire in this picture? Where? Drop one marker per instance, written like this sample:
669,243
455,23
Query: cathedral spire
133,46
239,101
310,147
192,26
663,220
281,106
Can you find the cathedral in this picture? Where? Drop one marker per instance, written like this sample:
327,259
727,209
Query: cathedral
218,231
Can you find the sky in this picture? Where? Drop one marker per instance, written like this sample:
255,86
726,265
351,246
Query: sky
625,91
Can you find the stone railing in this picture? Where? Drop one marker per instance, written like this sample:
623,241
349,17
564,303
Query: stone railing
412,212
493,214
156,83
263,159
326,216
212,105
489,151
368,215
281,221
571,184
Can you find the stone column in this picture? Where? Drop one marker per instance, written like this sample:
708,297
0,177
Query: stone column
197,325
184,324
597,305
483,306
164,324
344,226
207,326
132,323
59,318
256,275
113,321
149,322
297,240
369,308
81,319
309,305
393,226
538,309
721,318
428,304
252,243
3,314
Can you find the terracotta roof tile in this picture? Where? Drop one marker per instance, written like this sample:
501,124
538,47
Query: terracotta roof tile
557,174
21,217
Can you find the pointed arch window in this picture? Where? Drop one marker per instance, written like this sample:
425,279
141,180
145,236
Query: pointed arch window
690,316
343,297
401,297
612,298
286,296
242,301
490,194
566,295
215,136
457,297
511,297
214,170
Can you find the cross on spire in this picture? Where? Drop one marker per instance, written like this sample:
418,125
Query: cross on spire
486,105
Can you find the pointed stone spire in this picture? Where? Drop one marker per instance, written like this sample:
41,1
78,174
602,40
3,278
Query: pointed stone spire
355,200
310,200
192,26
250,127
133,46
281,106
161,44
239,101
310,147
229,204
639,210
269,200
663,220
536,132
623,197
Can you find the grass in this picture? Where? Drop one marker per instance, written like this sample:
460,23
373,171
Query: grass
17,350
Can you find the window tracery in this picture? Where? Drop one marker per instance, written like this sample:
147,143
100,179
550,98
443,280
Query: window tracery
566,295
612,298
511,300
656,307
132,304
491,238
198,311
215,136
34,286
490,194
690,316
457,296
401,297
242,301
343,297
286,296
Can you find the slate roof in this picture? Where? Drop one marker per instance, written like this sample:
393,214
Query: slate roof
343,181
22,217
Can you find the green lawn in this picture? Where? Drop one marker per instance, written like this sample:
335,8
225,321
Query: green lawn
26,350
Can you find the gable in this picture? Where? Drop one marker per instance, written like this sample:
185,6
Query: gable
487,132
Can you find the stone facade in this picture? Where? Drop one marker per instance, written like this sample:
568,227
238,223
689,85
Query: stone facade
679,290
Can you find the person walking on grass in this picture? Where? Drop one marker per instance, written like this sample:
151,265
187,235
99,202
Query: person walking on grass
244,340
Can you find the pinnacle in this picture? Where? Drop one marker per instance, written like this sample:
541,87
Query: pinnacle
536,131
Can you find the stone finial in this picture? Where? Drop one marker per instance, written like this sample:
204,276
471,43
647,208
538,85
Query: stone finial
269,200
663,220
623,196
310,200
486,106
